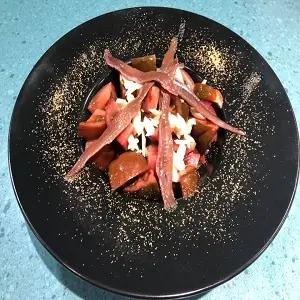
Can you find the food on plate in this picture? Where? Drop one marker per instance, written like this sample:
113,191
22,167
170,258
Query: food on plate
155,133
127,166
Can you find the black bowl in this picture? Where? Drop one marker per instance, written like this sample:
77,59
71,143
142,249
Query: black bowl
129,246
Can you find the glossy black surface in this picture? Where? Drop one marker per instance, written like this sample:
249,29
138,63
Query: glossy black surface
86,243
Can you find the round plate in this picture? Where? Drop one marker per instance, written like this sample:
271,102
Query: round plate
126,245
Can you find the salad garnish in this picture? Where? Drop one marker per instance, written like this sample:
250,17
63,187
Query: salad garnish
155,133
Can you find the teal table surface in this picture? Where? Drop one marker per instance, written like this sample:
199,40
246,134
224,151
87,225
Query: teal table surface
28,29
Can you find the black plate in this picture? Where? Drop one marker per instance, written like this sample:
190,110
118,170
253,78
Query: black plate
129,246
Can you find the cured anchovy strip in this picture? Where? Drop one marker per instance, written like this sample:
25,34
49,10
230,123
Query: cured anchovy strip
120,121
174,87
164,162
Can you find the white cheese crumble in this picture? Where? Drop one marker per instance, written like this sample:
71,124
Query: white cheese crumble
130,87
188,141
155,112
179,126
178,157
149,126
133,144
145,127
189,125
175,175
138,124
155,116
121,102
178,162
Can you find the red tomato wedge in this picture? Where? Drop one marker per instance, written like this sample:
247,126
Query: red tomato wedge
206,92
152,151
146,183
182,108
204,133
127,166
97,116
91,130
93,127
203,126
102,97
104,157
122,138
189,182
151,100
111,109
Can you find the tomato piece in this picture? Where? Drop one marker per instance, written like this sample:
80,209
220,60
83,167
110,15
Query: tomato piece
101,98
182,108
206,92
146,184
152,151
91,130
104,157
204,133
124,135
94,126
111,109
97,116
145,63
151,100
127,166
189,182
205,140
202,126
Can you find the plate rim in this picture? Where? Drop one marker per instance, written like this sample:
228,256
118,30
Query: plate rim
122,291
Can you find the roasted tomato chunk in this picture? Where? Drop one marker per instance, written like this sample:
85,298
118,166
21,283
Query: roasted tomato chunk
127,166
